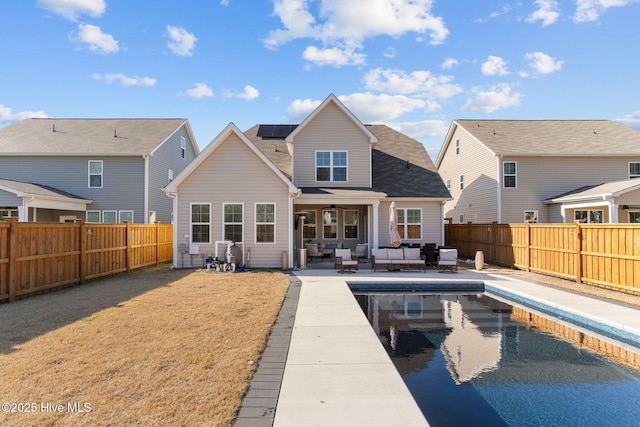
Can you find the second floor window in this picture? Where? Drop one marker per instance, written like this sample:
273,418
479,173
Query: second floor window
331,166
634,170
95,173
509,178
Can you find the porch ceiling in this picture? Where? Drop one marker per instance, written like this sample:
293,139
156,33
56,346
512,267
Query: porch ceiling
312,195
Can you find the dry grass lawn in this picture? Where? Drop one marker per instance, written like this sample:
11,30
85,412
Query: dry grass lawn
153,347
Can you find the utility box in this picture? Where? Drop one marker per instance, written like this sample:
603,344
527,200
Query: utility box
194,249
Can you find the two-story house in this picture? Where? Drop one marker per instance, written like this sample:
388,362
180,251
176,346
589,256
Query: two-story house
99,170
329,179
550,171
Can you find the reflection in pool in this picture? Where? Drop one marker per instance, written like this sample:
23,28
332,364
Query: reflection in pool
469,359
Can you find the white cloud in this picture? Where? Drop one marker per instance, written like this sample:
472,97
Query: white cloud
422,129
632,120
301,108
422,83
547,12
498,97
494,66
71,9
224,2
389,53
124,80
7,115
347,23
448,63
201,90
181,42
543,63
249,93
334,56
590,10
96,40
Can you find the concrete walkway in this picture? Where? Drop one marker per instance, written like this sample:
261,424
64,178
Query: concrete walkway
337,372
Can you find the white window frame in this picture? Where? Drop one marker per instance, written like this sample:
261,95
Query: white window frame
403,227
331,225
457,146
257,223
94,212
183,147
535,216
120,213
345,224
199,223
109,212
225,223
90,174
170,175
629,215
462,182
505,174
308,225
589,216
448,184
9,213
631,176
332,166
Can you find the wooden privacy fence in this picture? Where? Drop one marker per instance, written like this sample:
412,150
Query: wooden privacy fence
39,256
606,255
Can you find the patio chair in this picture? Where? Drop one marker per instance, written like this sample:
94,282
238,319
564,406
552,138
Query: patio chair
448,260
343,260
429,252
314,251
361,251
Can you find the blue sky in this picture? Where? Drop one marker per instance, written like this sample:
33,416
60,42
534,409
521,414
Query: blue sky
414,65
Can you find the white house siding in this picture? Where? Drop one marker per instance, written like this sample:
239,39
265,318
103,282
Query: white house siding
235,174
331,130
432,221
165,157
477,201
540,178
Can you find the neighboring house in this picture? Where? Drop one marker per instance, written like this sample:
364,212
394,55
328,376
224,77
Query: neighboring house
550,171
329,180
100,170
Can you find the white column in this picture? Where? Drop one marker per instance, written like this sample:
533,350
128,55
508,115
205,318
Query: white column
374,220
613,212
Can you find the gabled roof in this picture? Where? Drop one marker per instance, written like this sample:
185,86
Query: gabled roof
603,191
78,137
213,145
43,195
401,165
331,99
550,137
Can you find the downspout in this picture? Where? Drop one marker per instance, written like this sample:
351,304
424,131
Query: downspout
174,196
442,242
499,184
146,189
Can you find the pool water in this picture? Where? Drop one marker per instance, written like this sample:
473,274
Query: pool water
471,360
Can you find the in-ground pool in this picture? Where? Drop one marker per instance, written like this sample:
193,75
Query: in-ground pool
472,360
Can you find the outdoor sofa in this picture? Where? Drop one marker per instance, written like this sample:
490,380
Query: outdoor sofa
397,259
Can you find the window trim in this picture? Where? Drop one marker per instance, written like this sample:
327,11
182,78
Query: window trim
335,211
535,211
514,175
406,224
90,174
120,221
633,211
448,184
257,223
94,222
191,223
629,170
462,182
345,225
457,146
183,147
110,211
331,166
169,175
309,225
241,223
588,211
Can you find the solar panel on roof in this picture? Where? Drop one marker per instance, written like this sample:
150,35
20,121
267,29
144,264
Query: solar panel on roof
275,131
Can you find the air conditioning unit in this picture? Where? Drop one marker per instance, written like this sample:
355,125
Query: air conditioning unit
194,249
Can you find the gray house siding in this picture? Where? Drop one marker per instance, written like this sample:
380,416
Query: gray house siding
167,157
477,200
9,200
123,179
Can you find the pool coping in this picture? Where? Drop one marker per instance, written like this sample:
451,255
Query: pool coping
265,404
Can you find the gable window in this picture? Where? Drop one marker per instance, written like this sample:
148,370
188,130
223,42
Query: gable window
410,223
170,175
265,223
233,222
634,217
350,224
309,229
462,182
634,170
95,173
448,184
200,222
329,224
589,216
183,147
509,174
331,166
457,146
531,216
93,216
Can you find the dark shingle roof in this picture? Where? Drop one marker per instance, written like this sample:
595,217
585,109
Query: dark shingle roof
401,165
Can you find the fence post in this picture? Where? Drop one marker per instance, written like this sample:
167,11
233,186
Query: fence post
13,256
577,243
527,251
127,236
83,249
494,242
157,241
